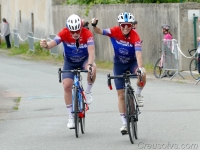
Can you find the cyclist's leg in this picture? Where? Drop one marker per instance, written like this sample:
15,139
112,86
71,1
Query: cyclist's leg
89,82
119,84
67,80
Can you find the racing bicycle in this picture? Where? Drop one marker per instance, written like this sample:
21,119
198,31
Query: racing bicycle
132,109
194,64
79,106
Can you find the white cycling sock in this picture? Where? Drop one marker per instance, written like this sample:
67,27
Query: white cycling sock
123,117
69,110
89,87
139,90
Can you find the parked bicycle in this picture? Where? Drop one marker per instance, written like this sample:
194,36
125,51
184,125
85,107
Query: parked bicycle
132,109
194,64
79,106
158,70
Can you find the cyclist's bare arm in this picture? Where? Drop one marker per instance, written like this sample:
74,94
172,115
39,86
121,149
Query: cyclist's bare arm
91,51
139,58
48,45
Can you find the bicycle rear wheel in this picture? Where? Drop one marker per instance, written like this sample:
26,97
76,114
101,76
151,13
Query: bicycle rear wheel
82,119
76,112
194,68
158,70
129,116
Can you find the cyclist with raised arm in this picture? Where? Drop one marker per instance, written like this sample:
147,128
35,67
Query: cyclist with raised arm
79,52
128,56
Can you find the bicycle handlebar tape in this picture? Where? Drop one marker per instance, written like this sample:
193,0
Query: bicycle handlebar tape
59,74
90,73
109,82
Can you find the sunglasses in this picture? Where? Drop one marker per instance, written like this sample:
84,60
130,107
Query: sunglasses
77,32
123,25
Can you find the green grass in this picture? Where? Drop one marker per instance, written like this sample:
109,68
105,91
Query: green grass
104,64
149,68
43,54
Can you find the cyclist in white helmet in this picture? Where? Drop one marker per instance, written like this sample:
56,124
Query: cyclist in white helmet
76,55
128,56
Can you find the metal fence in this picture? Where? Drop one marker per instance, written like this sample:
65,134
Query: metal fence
170,57
31,40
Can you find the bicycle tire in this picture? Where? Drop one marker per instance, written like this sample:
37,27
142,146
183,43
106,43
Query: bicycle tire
128,117
82,120
136,130
135,118
194,68
158,71
76,112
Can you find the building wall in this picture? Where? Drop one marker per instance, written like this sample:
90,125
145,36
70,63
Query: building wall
50,17
41,10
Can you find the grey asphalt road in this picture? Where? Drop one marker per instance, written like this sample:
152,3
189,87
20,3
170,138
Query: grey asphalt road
169,120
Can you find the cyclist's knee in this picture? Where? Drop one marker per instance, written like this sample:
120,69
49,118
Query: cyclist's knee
120,94
67,84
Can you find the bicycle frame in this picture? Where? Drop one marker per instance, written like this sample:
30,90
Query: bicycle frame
77,83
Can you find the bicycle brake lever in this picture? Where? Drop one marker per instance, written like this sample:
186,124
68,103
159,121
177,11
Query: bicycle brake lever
90,73
109,82
59,74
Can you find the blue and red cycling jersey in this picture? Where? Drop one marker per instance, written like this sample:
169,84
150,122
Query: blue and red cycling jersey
71,53
124,48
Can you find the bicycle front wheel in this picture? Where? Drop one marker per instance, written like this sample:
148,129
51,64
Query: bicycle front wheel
194,68
158,70
82,119
135,130
129,116
76,112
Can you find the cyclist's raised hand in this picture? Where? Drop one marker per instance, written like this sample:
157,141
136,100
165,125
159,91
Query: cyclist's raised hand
43,43
94,22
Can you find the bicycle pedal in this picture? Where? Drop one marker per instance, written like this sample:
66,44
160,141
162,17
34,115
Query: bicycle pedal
124,132
72,128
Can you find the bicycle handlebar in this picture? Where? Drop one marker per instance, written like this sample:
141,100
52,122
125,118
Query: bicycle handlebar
73,71
125,75
189,51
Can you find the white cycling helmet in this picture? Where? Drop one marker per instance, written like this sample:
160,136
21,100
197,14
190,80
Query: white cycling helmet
165,26
73,23
126,17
